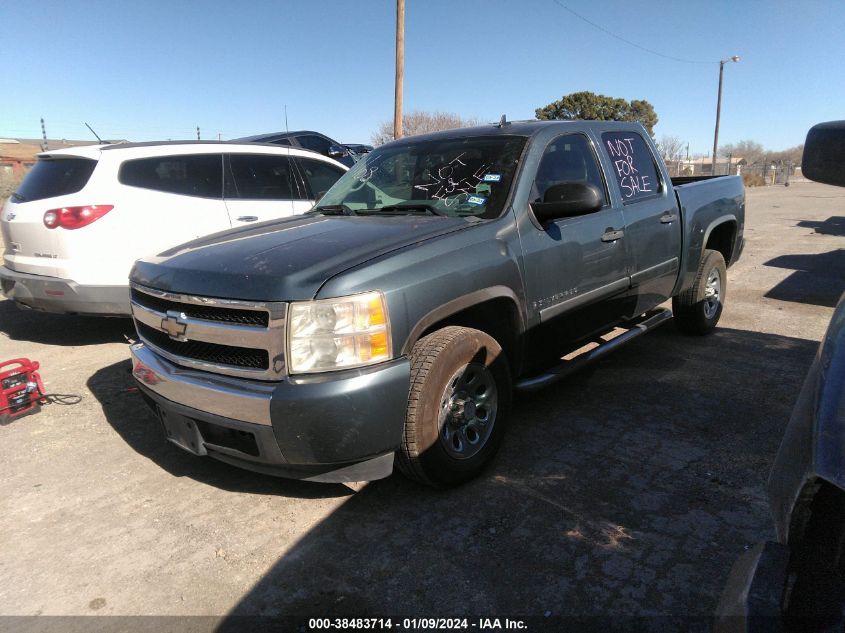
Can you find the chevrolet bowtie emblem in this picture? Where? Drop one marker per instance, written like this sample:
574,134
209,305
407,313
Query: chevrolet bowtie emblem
175,325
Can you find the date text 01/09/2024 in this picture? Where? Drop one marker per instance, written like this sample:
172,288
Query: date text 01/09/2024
416,624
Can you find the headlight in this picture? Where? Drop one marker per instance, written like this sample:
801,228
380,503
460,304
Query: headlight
337,333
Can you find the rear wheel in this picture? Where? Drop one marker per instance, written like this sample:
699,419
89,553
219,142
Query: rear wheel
698,309
457,406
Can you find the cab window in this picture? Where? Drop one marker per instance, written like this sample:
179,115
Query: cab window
568,158
633,166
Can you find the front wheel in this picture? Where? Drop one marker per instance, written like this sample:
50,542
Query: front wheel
457,406
698,309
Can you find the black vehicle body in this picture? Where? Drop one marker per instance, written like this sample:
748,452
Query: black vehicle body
798,582
537,288
807,501
359,148
313,141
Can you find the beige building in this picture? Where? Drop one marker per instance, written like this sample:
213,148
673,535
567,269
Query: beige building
704,166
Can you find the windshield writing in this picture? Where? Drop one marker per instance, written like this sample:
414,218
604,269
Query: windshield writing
458,176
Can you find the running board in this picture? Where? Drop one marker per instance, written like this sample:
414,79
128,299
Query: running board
594,350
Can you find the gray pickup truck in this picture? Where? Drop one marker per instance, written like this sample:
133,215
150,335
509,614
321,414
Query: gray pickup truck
393,321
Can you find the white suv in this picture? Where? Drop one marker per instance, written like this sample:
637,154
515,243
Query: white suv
82,216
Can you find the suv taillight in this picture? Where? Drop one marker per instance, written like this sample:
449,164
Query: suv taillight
75,217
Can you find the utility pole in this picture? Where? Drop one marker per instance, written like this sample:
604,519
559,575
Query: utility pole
400,68
44,147
722,63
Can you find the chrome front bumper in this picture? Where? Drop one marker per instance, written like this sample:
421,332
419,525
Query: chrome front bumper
343,427
233,398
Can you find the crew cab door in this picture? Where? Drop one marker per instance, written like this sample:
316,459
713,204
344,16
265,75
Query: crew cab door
652,218
261,187
574,264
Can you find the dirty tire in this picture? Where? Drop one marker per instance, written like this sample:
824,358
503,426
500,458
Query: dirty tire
695,312
439,364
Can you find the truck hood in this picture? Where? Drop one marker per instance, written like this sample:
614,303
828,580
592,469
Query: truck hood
284,260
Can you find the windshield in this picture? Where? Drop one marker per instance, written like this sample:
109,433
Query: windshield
454,177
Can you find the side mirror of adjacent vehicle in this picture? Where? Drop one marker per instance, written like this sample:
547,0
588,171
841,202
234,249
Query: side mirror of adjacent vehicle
568,199
824,153
336,151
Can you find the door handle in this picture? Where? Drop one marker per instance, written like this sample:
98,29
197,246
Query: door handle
668,218
611,235
247,218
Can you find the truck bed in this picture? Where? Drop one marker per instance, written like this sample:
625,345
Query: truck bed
707,201
679,181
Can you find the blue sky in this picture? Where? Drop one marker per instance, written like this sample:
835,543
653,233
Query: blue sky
157,69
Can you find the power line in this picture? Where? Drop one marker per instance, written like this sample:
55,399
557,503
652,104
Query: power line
629,42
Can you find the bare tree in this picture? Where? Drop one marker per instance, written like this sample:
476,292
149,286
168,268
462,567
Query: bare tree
792,155
414,123
749,150
670,147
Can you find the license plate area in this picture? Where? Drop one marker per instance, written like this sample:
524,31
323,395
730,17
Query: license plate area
182,431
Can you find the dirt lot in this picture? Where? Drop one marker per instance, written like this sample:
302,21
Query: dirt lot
628,490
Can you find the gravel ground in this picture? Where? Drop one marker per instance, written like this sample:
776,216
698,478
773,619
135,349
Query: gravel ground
628,490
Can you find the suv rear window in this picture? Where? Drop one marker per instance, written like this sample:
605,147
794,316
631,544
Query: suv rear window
51,177
197,175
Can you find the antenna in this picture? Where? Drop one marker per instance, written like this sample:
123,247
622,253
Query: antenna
93,132
286,119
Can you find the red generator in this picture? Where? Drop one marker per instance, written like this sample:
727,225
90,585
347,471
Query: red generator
21,389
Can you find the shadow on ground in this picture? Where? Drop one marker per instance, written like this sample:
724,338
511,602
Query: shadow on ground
625,491
834,225
818,279
61,329
125,409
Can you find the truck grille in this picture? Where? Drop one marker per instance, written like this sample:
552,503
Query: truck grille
234,338
206,313
206,352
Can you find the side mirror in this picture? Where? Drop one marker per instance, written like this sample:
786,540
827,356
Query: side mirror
824,153
568,199
336,151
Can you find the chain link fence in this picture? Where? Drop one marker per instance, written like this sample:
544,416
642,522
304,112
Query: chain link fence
769,173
